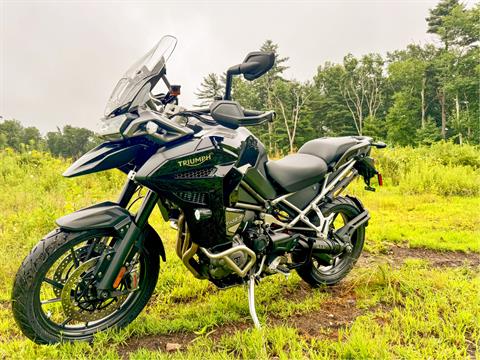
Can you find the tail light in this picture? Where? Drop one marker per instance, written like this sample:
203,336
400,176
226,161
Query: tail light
380,179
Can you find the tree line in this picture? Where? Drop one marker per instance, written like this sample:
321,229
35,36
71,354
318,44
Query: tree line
409,97
67,142
417,95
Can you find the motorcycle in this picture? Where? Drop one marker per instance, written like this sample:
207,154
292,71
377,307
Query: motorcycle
240,216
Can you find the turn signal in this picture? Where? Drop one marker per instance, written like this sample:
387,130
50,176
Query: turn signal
175,90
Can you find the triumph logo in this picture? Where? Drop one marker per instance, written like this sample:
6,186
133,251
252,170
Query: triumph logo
195,161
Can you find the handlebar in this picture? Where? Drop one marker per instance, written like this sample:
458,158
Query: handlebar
231,114
246,112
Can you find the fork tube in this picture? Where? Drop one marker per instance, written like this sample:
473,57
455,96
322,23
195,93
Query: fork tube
146,208
123,247
127,192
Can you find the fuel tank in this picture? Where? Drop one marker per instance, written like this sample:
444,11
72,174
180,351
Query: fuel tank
203,174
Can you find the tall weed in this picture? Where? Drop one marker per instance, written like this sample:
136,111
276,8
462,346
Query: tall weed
443,169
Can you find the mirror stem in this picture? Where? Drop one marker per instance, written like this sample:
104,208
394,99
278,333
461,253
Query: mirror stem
234,70
228,87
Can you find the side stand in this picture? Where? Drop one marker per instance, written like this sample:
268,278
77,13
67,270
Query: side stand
251,301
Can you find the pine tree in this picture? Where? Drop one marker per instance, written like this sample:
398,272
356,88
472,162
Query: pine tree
211,87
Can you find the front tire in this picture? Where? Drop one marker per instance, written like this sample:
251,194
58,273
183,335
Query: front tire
45,272
316,274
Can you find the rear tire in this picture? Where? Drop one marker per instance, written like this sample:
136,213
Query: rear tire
320,275
28,308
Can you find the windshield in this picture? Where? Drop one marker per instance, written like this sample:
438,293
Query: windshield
139,75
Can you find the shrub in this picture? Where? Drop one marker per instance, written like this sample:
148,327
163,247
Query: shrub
443,168
441,180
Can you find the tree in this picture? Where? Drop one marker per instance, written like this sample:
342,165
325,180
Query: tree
13,133
438,23
375,127
411,70
402,119
71,141
362,86
331,114
458,29
32,137
291,97
211,87
428,134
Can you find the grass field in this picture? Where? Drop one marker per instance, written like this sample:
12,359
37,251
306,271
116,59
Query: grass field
414,294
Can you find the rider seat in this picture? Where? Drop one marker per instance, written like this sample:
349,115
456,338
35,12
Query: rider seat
314,159
297,171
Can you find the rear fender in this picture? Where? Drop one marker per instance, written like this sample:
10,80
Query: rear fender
359,204
108,216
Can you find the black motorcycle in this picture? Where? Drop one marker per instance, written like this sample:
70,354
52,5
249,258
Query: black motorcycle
240,217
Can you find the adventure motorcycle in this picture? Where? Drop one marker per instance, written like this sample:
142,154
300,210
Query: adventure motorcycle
240,216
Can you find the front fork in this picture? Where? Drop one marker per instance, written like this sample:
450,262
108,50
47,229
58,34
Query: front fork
111,262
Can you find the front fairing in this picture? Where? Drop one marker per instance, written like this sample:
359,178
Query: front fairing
123,155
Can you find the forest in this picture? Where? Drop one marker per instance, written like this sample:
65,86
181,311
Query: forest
409,97
414,96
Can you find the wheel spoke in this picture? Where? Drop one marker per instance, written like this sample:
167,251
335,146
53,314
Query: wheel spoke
53,283
50,301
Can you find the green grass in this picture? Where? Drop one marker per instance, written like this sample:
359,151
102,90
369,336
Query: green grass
426,220
415,312
411,311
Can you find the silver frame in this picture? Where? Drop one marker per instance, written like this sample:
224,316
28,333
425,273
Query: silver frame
322,228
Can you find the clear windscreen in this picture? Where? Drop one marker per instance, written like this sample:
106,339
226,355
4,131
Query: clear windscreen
132,82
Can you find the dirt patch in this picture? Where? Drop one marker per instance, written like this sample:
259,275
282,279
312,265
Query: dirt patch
339,311
182,339
155,343
396,255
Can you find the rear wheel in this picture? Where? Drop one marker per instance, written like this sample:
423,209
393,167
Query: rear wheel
317,273
54,297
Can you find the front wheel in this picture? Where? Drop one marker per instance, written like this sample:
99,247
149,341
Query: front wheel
54,297
316,272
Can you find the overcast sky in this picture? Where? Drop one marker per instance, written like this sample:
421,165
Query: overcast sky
59,60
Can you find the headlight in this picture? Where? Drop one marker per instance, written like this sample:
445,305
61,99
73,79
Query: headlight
110,128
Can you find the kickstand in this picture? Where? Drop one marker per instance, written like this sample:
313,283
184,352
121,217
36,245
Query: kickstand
251,301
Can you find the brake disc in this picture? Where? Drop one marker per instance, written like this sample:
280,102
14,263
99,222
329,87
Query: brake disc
78,300
67,263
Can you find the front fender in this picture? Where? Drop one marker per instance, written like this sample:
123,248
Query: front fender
106,156
107,215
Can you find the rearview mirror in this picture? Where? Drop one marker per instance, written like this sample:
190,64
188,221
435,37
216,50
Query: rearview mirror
255,65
